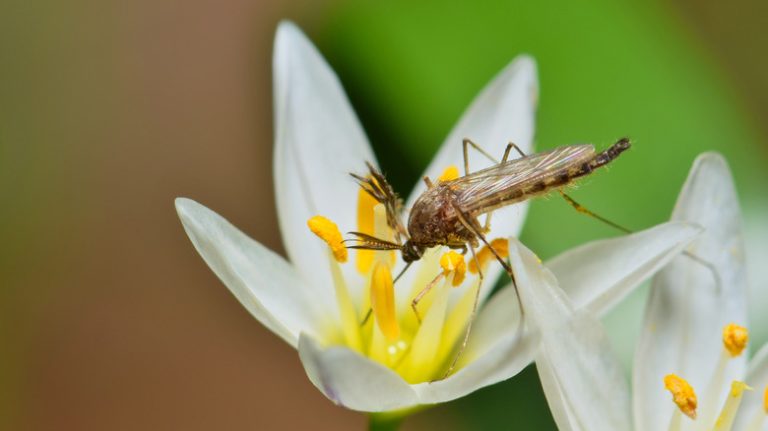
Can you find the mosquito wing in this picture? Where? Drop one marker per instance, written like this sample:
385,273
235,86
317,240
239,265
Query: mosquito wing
518,179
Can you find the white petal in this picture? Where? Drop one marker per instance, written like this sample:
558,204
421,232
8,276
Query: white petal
598,275
318,142
503,112
582,378
353,381
266,285
496,352
686,310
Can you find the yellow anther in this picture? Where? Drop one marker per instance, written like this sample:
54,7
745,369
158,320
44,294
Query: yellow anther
383,301
735,339
501,246
454,262
365,224
450,173
682,394
329,232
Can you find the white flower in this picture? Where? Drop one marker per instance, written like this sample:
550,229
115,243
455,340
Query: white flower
316,303
689,341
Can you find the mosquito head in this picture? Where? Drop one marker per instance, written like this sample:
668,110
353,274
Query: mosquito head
411,251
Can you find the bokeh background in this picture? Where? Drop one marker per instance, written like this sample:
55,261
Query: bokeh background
109,110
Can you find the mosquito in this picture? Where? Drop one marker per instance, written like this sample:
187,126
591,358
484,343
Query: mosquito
446,214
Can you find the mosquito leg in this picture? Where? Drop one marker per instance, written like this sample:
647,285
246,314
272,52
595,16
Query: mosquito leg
466,220
580,208
471,316
420,295
466,143
510,146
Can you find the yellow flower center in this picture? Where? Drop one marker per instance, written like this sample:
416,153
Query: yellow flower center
735,339
682,394
416,341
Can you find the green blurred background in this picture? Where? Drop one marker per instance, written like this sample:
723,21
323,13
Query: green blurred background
109,110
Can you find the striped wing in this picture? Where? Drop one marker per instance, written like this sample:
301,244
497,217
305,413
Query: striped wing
484,189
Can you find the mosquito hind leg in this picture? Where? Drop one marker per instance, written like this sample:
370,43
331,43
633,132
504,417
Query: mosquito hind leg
582,209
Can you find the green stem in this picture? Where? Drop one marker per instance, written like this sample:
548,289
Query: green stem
385,421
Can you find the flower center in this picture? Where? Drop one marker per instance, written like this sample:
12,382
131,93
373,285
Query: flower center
411,328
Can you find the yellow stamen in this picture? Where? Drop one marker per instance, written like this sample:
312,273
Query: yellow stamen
728,413
365,224
450,173
329,232
500,245
454,262
735,338
682,394
383,301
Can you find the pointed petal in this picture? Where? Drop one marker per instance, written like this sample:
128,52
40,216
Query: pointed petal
353,381
582,378
598,275
686,309
754,401
266,285
496,352
318,142
503,112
